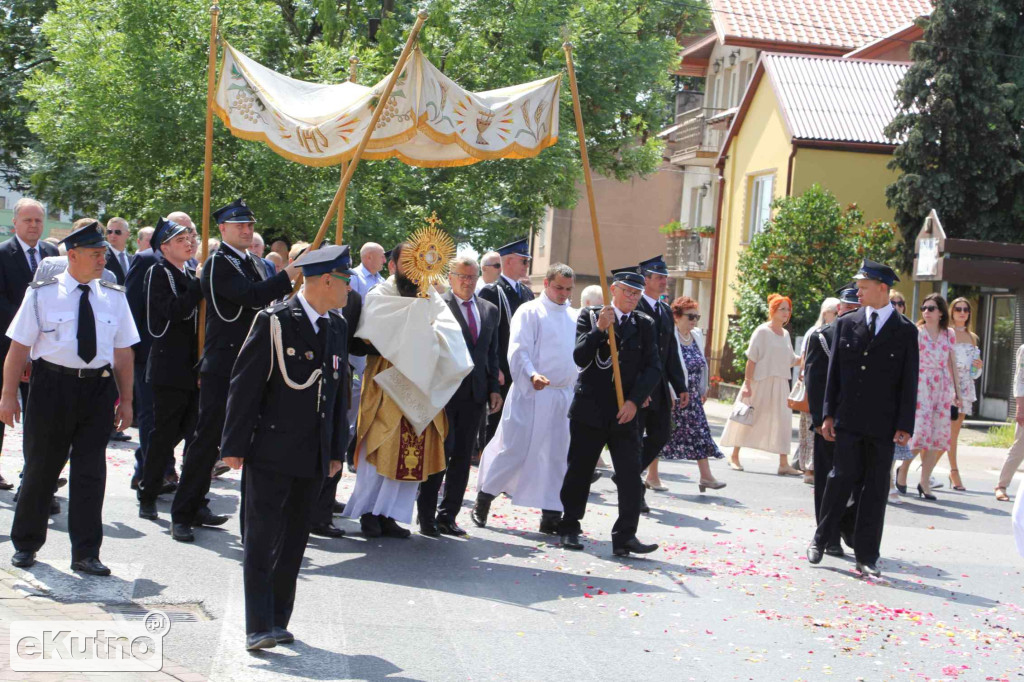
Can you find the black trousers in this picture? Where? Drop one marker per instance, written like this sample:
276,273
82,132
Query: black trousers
65,415
175,410
824,454
585,445
203,451
23,390
464,419
278,512
860,462
494,419
656,426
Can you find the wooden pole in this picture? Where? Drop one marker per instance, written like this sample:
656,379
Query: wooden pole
377,111
211,84
593,216
353,65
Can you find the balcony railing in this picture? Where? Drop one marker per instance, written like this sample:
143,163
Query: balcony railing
695,136
690,253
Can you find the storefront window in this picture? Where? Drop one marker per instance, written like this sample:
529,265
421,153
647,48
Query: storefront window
999,351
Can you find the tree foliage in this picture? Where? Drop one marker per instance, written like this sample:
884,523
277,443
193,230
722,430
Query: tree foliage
121,116
810,248
962,108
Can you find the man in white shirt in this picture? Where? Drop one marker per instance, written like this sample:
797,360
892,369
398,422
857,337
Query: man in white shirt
78,332
367,275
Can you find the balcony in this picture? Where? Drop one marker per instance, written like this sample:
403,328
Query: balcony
690,255
696,140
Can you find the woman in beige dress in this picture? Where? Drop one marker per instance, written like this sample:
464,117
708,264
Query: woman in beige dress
770,358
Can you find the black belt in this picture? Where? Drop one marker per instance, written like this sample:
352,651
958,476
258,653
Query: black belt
80,373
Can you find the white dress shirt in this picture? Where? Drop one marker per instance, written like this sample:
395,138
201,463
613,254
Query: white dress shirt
311,313
25,247
47,322
122,259
883,315
465,315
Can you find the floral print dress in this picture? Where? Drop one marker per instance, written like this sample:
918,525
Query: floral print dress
934,392
691,436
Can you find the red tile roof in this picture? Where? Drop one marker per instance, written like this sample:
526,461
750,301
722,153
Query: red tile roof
836,24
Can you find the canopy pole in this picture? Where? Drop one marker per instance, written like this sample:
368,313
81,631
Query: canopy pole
211,84
377,111
353,66
616,372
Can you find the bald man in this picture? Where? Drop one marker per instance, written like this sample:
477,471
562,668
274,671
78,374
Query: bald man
490,269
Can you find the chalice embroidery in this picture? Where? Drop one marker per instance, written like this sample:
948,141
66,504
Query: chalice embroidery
483,121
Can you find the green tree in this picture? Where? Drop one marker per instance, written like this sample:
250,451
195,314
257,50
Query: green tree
811,247
123,110
22,51
961,111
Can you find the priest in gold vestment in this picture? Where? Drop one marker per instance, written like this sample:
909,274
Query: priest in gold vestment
416,359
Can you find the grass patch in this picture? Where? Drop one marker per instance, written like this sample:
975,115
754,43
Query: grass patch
999,437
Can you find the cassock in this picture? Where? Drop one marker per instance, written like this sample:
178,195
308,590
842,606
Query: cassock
416,361
527,456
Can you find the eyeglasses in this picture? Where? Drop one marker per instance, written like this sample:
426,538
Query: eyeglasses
929,308
901,304
961,309
464,278
692,317
117,232
493,265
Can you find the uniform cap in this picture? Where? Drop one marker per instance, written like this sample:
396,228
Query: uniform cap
88,237
629,277
656,265
235,212
165,231
326,259
869,269
520,247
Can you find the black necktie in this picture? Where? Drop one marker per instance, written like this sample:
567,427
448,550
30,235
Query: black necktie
321,334
86,326
871,326
32,264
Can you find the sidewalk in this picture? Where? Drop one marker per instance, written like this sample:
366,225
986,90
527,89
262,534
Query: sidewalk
20,600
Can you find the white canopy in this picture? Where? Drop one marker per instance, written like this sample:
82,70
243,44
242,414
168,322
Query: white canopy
429,120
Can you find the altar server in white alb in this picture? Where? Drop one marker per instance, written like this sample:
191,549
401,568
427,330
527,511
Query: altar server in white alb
527,456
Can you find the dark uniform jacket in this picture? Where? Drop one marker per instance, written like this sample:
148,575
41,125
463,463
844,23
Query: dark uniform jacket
872,384
15,276
668,354
135,283
274,426
505,314
115,266
172,316
594,400
483,380
238,289
816,370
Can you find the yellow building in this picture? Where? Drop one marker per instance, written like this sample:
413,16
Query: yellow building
803,120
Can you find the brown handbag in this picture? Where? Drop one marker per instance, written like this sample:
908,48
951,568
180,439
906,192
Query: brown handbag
797,399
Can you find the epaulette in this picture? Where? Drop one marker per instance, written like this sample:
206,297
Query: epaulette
112,285
42,282
275,308
642,315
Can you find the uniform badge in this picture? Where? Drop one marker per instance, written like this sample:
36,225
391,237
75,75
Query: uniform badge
290,351
309,355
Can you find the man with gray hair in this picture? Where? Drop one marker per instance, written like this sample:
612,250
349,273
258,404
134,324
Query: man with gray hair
526,458
142,239
490,269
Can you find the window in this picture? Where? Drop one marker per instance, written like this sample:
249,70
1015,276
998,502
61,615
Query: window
748,71
696,208
734,88
759,203
716,103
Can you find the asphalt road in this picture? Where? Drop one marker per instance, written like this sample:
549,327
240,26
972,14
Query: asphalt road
728,596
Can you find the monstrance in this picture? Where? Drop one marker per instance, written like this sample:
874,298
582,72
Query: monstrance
425,261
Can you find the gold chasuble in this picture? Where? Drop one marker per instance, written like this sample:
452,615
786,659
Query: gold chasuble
392,444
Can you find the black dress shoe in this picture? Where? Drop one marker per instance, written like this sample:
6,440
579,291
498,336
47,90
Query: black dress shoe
168,487
61,482
571,541
449,527
338,508
390,528
92,566
429,528
136,482
182,532
282,636
147,510
370,525
219,469
594,476
635,546
814,553
644,509
207,518
120,437
23,559
549,526
260,640
54,507
4,485
327,530
835,550
847,538
481,509
868,569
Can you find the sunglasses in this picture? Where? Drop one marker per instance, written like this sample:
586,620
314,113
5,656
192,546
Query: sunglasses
118,232
961,309
493,265
344,278
901,304
929,308
692,317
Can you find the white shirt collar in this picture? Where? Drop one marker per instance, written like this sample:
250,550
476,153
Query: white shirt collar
117,251
515,284
311,313
69,283
883,315
241,255
547,299
653,302
25,247
461,300
619,314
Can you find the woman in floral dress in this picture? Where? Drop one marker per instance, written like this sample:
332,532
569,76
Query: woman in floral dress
936,387
691,436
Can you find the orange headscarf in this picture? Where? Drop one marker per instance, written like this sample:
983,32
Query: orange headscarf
775,300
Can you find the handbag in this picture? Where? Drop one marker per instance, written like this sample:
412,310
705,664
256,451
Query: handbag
954,413
742,414
797,399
